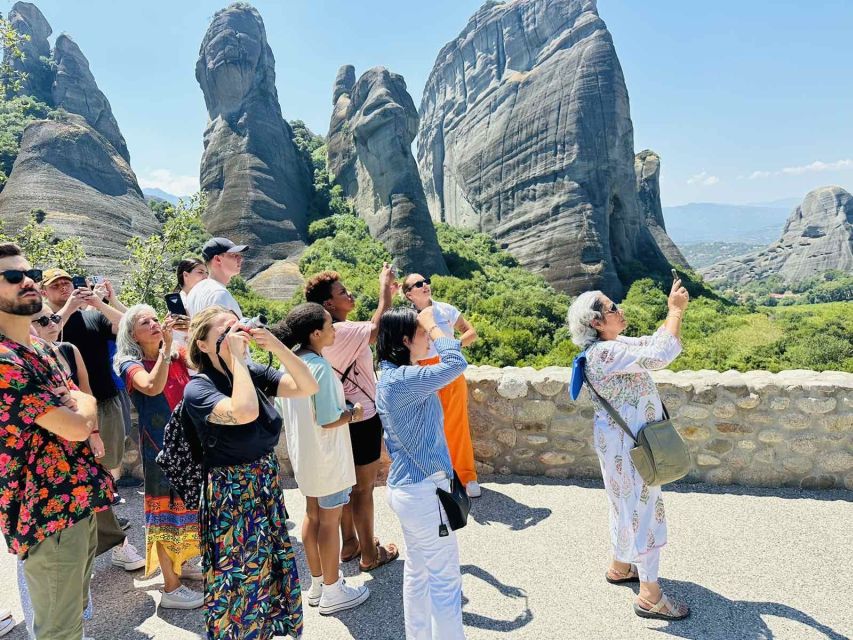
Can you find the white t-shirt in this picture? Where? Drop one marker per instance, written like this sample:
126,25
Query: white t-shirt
445,316
321,458
208,293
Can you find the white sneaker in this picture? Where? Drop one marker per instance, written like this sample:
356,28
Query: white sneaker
312,596
473,489
127,557
181,598
340,596
7,622
192,571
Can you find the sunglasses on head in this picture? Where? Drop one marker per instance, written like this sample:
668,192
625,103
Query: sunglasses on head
15,276
55,318
419,284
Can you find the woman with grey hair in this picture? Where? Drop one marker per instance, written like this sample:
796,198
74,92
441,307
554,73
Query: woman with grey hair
155,375
618,368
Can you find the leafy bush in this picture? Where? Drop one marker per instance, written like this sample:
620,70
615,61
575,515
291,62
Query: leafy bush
43,249
15,114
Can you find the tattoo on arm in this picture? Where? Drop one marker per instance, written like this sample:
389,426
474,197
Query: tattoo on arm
224,417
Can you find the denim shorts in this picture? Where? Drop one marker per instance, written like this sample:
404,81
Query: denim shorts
335,500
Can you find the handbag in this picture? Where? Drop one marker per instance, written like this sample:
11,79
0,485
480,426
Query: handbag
660,454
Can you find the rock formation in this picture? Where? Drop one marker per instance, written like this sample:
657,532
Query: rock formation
75,168
647,170
37,76
526,135
818,237
374,122
75,90
86,188
257,184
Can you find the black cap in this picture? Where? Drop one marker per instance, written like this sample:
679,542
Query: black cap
217,246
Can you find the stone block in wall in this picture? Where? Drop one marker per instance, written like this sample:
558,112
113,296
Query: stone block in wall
750,401
719,446
734,427
693,412
537,412
836,462
769,436
512,386
816,405
725,410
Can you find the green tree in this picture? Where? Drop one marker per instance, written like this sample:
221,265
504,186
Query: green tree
152,261
43,249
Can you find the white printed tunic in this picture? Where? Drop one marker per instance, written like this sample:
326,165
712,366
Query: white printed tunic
619,371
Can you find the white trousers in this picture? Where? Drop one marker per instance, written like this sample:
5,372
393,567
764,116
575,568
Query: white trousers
432,583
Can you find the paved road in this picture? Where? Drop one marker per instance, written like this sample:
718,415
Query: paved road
754,564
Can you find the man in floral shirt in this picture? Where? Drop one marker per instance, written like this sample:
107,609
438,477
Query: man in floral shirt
50,484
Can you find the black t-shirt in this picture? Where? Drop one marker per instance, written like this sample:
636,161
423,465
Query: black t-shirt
91,331
228,445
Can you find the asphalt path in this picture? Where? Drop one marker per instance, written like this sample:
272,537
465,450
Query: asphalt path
754,564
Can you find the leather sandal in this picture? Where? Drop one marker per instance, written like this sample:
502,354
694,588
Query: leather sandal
383,556
622,578
357,552
665,609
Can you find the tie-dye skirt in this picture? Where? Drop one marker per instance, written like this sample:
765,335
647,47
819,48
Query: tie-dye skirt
251,583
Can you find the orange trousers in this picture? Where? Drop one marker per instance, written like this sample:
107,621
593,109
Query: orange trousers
457,431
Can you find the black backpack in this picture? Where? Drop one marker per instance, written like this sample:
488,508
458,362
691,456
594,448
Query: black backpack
182,457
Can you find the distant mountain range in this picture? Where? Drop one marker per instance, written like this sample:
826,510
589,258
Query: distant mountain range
705,222
162,195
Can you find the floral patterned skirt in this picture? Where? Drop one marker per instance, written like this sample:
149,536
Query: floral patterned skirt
251,584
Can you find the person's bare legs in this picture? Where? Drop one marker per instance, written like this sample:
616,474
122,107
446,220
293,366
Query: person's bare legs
171,581
310,536
361,501
329,543
348,532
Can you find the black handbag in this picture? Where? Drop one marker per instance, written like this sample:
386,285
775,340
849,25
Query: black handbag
456,502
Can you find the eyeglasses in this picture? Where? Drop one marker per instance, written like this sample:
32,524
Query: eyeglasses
55,318
419,284
613,308
15,276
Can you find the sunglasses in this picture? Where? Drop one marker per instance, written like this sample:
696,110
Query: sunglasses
613,308
15,276
55,318
419,284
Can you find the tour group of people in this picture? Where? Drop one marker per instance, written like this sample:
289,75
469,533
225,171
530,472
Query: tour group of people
72,359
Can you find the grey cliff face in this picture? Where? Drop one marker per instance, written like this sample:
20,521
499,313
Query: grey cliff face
526,135
817,237
374,122
27,20
86,188
647,170
258,186
75,90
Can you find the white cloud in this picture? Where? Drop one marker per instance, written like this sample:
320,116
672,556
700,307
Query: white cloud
169,182
815,167
703,178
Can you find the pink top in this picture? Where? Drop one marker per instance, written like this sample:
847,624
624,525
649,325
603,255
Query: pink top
352,344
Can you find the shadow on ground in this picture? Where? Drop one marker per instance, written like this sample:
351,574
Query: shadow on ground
496,507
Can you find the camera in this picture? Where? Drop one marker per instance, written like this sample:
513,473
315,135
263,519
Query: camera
258,322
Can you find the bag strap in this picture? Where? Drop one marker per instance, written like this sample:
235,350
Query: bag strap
615,414
345,376
415,460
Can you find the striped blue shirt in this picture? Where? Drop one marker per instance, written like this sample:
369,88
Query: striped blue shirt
411,414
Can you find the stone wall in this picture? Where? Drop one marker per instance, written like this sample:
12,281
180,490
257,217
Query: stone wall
794,428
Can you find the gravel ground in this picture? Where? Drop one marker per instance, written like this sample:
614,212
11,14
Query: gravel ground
753,564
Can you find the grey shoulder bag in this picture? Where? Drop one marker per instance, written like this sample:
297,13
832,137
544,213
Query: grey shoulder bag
660,454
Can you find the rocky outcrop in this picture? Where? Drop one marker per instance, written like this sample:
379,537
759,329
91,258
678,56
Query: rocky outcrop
75,90
526,135
257,184
817,237
647,171
374,122
34,73
85,187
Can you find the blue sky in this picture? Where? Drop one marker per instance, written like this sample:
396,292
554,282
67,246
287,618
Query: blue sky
745,100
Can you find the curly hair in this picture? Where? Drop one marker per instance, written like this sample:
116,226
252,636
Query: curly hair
300,323
585,308
319,286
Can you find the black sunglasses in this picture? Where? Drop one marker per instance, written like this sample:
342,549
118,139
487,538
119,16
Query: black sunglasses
613,308
15,276
55,318
419,284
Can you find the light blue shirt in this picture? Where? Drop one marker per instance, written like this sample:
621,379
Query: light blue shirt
412,417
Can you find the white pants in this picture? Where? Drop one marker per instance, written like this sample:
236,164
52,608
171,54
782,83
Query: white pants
432,583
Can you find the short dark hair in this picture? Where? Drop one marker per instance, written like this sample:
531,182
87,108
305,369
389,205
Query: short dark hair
9,250
300,323
394,325
319,287
184,267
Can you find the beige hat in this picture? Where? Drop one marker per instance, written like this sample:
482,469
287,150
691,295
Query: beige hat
52,275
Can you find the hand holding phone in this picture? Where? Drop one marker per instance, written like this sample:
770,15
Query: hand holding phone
175,304
79,282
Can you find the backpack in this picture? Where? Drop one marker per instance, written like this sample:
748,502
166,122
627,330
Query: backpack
181,457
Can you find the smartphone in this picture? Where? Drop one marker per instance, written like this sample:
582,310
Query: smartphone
98,279
175,305
675,275
79,282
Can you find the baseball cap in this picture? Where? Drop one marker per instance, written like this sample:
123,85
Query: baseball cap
217,246
52,275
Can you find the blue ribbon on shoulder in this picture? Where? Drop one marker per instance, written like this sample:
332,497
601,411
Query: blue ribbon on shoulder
578,366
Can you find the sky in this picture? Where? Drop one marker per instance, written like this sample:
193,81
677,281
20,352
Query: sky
745,101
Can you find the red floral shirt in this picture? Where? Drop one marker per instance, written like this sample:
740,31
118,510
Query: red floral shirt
47,483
